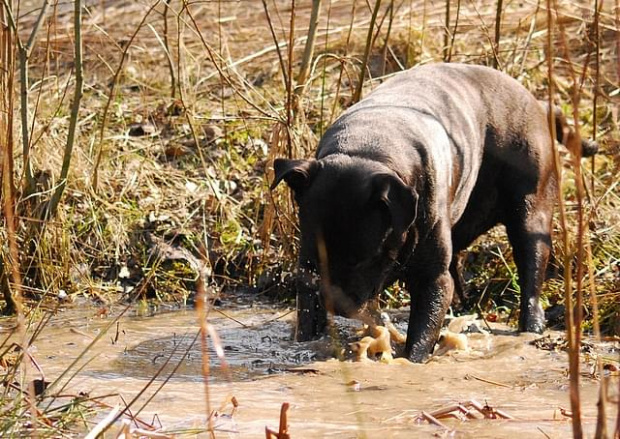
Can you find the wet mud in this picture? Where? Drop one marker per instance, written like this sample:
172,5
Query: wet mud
262,367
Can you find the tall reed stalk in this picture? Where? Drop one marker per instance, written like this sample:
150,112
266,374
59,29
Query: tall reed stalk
24,56
10,263
601,424
7,189
173,78
332,114
283,69
75,110
574,310
306,60
617,22
498,27
290,115
367,48
386,43
446,33
453,33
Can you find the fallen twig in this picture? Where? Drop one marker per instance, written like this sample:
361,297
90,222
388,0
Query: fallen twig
432,420
495,383
463,411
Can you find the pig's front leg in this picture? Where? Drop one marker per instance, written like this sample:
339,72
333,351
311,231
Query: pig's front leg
311,313
431,287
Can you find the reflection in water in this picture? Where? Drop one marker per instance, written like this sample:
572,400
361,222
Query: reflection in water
339,399
251,351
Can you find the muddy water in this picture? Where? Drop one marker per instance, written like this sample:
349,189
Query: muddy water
328,398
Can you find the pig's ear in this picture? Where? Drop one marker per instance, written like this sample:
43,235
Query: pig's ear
400,199
298,174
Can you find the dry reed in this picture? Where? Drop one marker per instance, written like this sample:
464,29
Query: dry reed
259,88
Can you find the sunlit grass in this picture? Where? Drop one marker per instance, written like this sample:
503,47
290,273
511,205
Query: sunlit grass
188,175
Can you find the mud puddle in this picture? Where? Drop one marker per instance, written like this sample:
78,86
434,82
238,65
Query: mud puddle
328,398
254,341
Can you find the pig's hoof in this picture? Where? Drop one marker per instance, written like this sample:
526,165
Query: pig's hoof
532,319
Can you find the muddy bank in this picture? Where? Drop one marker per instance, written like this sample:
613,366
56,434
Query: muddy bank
328,398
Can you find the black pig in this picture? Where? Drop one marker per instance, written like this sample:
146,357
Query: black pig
411,175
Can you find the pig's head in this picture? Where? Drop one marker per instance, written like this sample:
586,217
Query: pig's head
354,215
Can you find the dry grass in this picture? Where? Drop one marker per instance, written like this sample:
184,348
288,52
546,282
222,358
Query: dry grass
185,107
